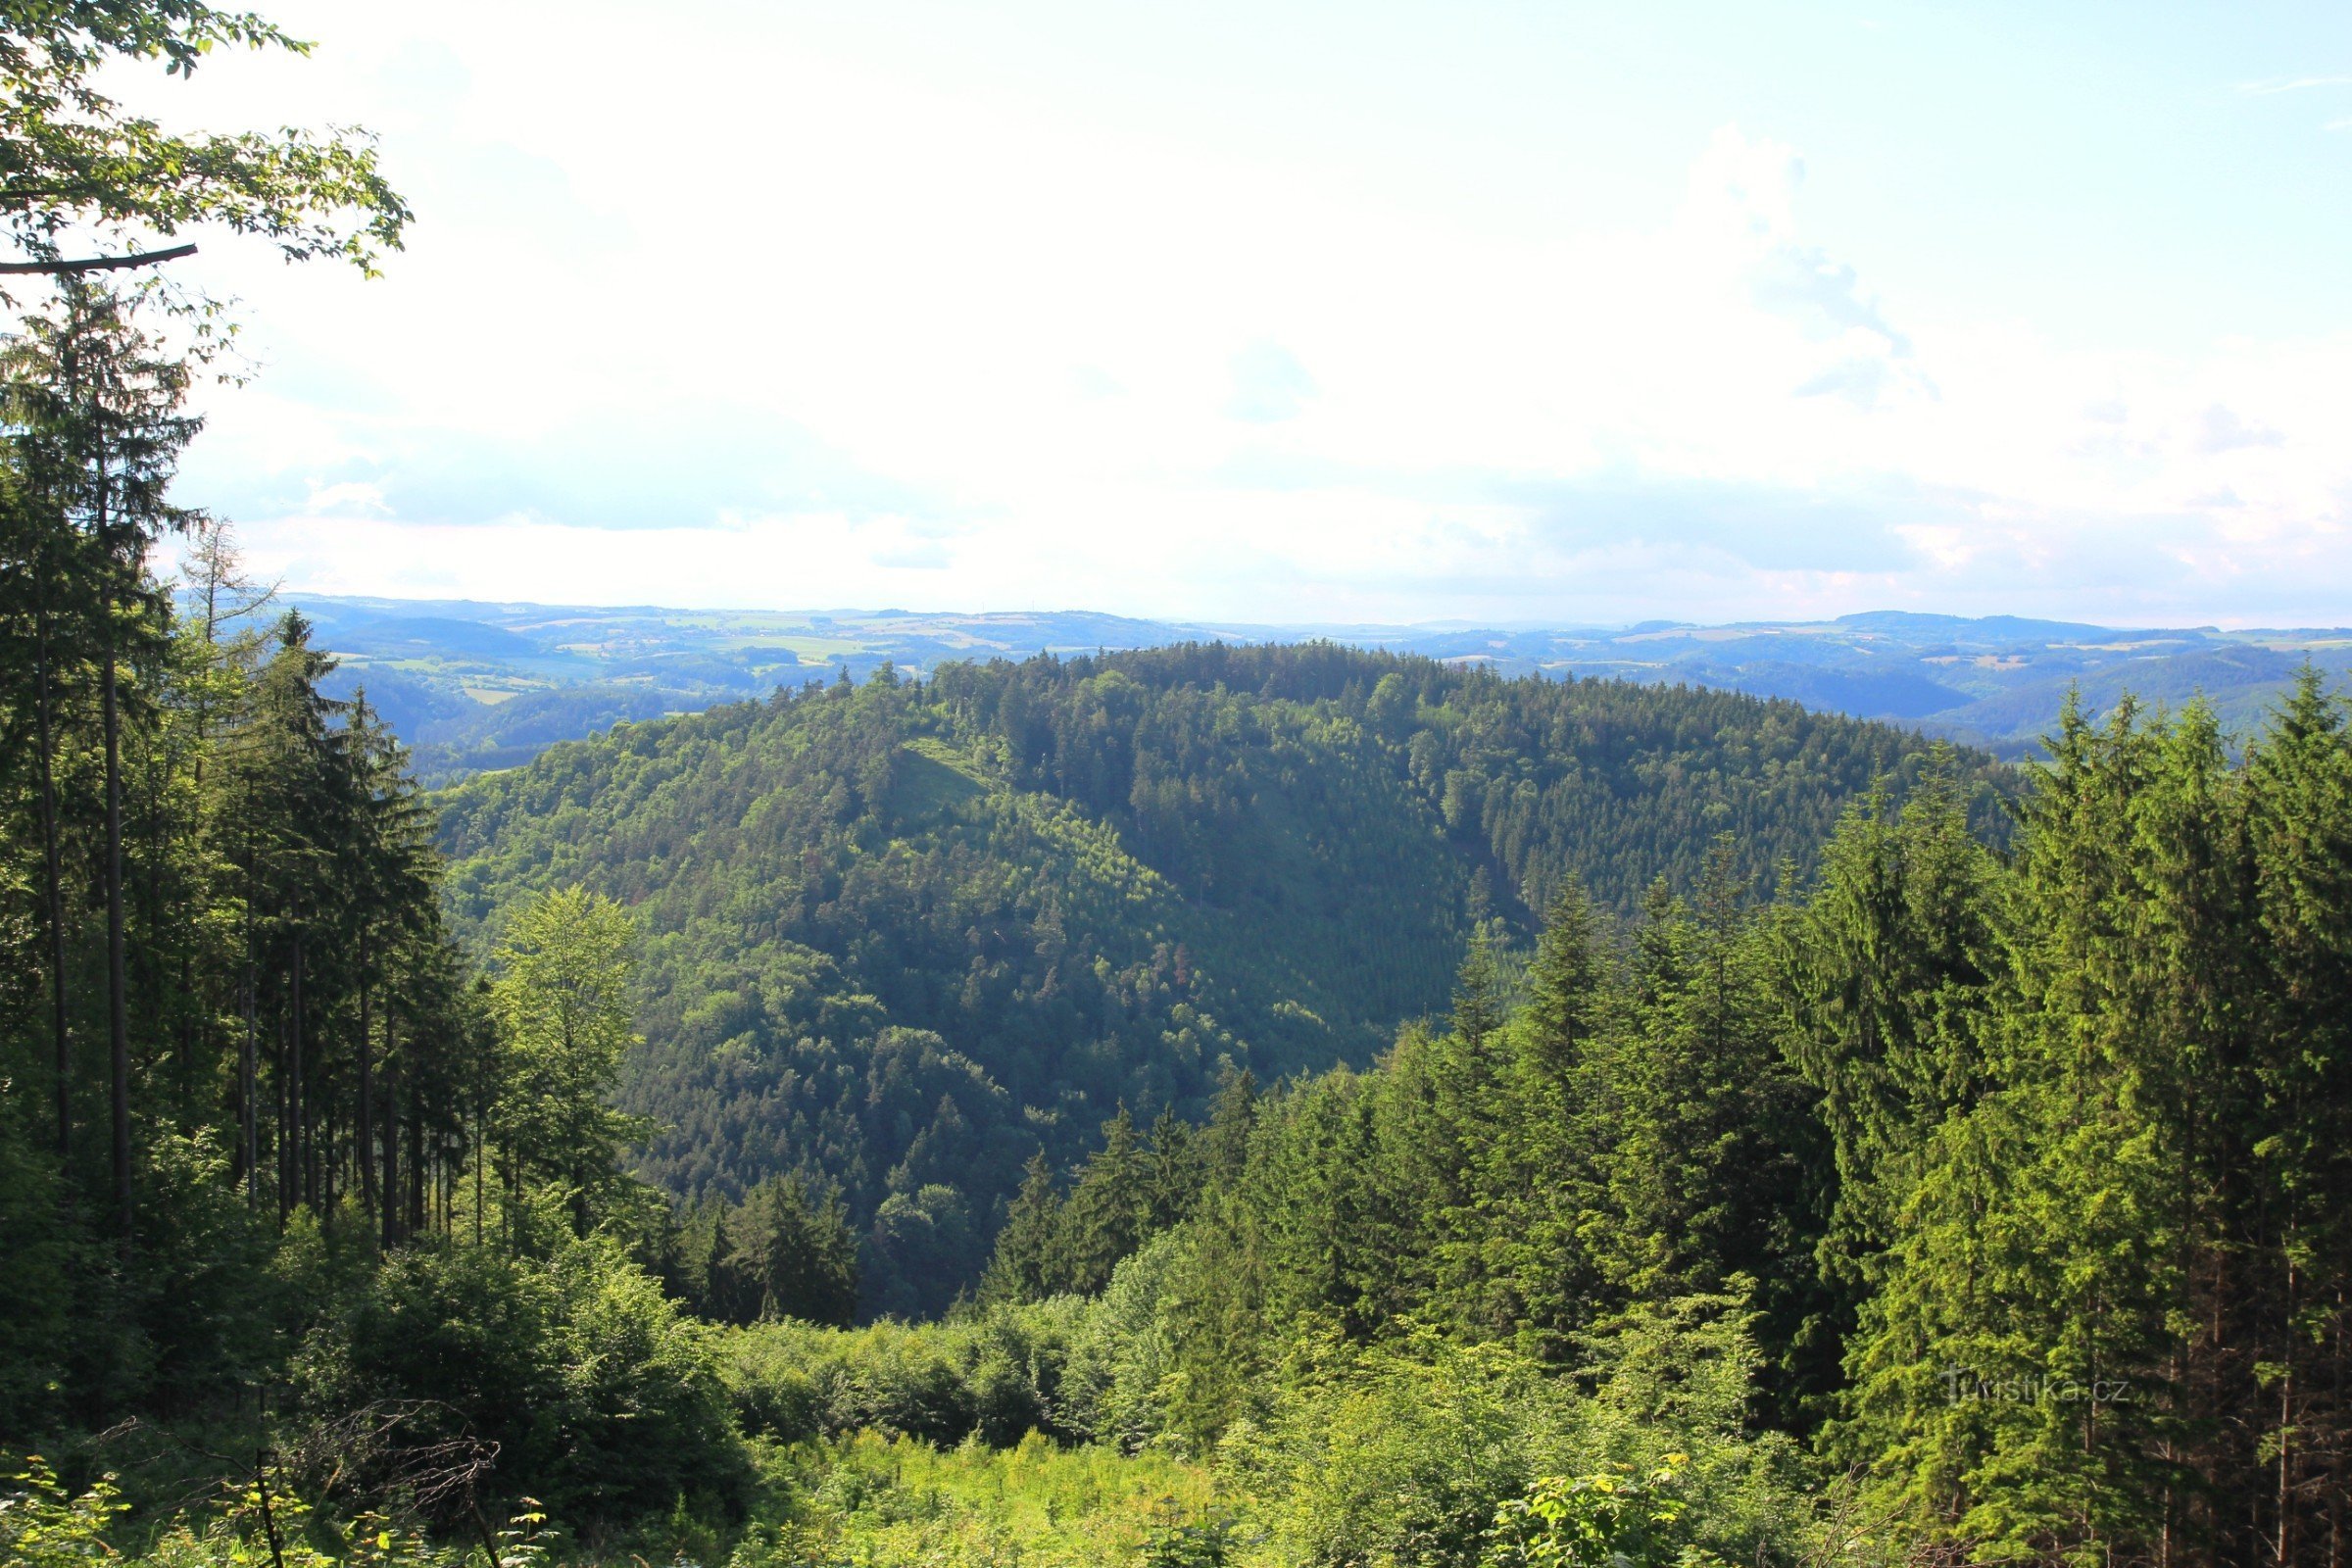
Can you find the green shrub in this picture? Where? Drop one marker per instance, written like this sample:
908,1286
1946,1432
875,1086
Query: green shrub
1125,1350
1411,1452
577,1373
1400,1455
1615,1518
44,1525
996,1376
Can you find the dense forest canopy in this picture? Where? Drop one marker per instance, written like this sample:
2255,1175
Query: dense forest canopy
902,936
1269,1107
2019,1185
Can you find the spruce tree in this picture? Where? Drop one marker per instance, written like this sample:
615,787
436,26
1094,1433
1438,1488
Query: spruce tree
1024,1266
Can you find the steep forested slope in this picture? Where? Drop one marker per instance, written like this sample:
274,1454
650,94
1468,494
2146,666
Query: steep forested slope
901,936
2028,1177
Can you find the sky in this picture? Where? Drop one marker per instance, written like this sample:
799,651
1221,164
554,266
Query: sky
1273,310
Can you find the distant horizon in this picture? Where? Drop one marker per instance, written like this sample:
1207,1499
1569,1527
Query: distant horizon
1216,623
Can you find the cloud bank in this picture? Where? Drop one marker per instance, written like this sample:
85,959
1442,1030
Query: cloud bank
831,333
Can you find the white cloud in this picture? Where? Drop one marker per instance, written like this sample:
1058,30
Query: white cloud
767,321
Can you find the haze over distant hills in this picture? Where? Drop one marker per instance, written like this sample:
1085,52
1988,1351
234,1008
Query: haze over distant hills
475,686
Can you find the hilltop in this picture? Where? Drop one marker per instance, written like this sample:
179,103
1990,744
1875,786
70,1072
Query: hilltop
475,686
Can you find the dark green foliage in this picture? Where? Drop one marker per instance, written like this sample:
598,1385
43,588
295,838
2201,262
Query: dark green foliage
1055,1243
2112,1310
2022,1185
905,935
275,1167
36,1288
575,1378
924,1246
783,1251
1632,1135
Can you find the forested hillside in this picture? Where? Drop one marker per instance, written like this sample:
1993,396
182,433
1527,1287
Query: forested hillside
902,936
2019,1185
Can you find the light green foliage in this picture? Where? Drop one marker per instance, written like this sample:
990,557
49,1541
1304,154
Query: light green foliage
878,1502
1396,1457
1117,1389
43,1524
1409,1454
264,1526
1615,1518
993,1376
74,160
1679,1383
564,1002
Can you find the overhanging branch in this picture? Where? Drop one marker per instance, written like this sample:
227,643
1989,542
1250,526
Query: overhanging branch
99,263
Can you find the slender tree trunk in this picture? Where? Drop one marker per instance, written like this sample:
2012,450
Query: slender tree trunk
2286,1419
367,1106
416,1210
298,1103
281,1136
391,1208
249,1110
2335,1449
118,1000
249,1128
482,1157
153,762
53,870
187,1040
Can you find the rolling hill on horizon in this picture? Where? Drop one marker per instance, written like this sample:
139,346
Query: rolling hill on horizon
478,686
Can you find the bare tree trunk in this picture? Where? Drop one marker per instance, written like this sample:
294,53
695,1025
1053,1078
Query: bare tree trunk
2337,1488
482,1157
282,1133
118,1000
391,1128
417,1213
249,1113
54,893
186,1072
298,1104
367,1108
2287,1420
249,1110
